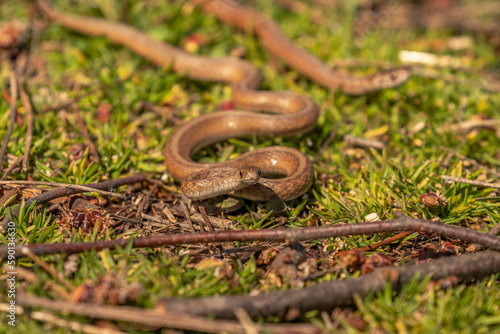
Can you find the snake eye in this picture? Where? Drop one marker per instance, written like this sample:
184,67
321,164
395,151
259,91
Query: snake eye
241,173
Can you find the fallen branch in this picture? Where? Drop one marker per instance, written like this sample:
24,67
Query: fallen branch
328,295
14,92
290,235
48,268
65,185
62,192
475,247
364,142
157,317
473,182
11,167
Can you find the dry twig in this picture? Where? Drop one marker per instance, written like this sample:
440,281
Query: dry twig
328,295
403,223
364,142
157,317
475,247
50,270
65,185
11,167
473,182
62,192
14,91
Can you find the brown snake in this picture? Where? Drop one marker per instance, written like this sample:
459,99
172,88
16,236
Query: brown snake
289,113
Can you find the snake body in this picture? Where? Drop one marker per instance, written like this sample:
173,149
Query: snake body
288,113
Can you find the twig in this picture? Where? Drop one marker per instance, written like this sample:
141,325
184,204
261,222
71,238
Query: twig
75,326
25,99
473,182
475,247
156,317
47,268
205,219
161,222
364,142
220,223
61,192
186,204
469,125
328,295
11,167
85,133
246,321
13,113
156,222
66,185
404,223
431,59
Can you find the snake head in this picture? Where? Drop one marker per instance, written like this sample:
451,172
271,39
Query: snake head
250,174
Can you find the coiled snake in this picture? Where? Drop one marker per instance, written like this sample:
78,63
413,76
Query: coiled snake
288,113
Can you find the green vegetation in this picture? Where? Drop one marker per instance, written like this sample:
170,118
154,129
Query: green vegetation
351,182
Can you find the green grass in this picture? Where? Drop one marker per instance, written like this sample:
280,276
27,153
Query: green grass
352,183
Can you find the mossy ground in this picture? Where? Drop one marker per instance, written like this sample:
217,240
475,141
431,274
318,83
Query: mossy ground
351,182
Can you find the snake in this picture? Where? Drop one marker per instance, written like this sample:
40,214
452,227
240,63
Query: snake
263,174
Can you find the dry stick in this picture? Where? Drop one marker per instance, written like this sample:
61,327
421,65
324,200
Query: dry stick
246,321
204,217
62,192
469,125
13,113
404,223
50,270
364,142
475,247
473,182
85,133
218,222
75,326
328,295
157,222
214,221
10,168
162,222
66,185
156,317
186,204
25,99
